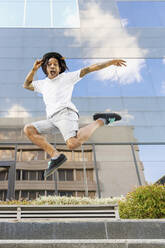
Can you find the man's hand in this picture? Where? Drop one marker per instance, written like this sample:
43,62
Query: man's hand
119,62
37,64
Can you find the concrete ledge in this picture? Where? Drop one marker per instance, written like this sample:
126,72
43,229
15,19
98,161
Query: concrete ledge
122,243
23,213
96,229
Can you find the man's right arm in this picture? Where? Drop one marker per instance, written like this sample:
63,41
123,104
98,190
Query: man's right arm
29,79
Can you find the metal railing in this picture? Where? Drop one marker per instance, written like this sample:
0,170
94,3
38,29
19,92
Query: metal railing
12,166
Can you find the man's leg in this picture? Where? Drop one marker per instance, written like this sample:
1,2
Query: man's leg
83,134
32,133
56,158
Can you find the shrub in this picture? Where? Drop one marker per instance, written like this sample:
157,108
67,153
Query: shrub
63,200
145,202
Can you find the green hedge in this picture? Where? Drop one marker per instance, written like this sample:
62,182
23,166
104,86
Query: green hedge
145,202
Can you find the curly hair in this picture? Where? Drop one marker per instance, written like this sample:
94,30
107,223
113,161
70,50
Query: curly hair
59,57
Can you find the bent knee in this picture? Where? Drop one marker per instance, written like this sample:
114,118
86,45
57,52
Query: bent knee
29,130
72,143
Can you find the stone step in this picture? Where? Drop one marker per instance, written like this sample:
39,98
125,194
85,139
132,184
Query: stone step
82,229
116,243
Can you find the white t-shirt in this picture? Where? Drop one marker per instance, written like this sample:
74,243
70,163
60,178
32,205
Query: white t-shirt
57,92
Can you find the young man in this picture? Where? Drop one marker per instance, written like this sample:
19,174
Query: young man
57,89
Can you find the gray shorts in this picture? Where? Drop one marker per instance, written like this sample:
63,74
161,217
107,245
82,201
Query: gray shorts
66,121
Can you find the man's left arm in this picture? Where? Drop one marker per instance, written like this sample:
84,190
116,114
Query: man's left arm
99,66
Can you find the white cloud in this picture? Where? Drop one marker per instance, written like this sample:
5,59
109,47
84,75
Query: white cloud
124,22
126,117
72,21
123,75
114,40
71,17
17,111
164,61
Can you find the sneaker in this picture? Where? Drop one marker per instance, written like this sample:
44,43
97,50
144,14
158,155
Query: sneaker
109,117
53,164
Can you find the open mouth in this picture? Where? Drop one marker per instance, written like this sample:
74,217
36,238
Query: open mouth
53,73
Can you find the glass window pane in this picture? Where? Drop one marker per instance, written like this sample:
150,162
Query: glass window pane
61,175
32,195
50,192
142,14
66,193
11,13
32,175
3,175
69,175
24,194
156,74
40,175
65,14
24,175
18,174
42,18
153,159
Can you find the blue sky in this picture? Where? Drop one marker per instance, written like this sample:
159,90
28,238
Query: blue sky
142,14
153,161
141,78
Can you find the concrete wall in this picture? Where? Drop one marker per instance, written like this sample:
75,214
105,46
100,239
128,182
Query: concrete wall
65,230
116,167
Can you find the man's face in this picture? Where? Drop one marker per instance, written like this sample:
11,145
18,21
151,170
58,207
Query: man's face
52,68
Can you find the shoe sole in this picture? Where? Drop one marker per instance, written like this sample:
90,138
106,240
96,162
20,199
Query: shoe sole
105,115
53,169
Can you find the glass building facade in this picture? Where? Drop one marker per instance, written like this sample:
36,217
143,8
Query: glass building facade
88,32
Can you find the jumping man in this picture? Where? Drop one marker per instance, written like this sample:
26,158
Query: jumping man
57,89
